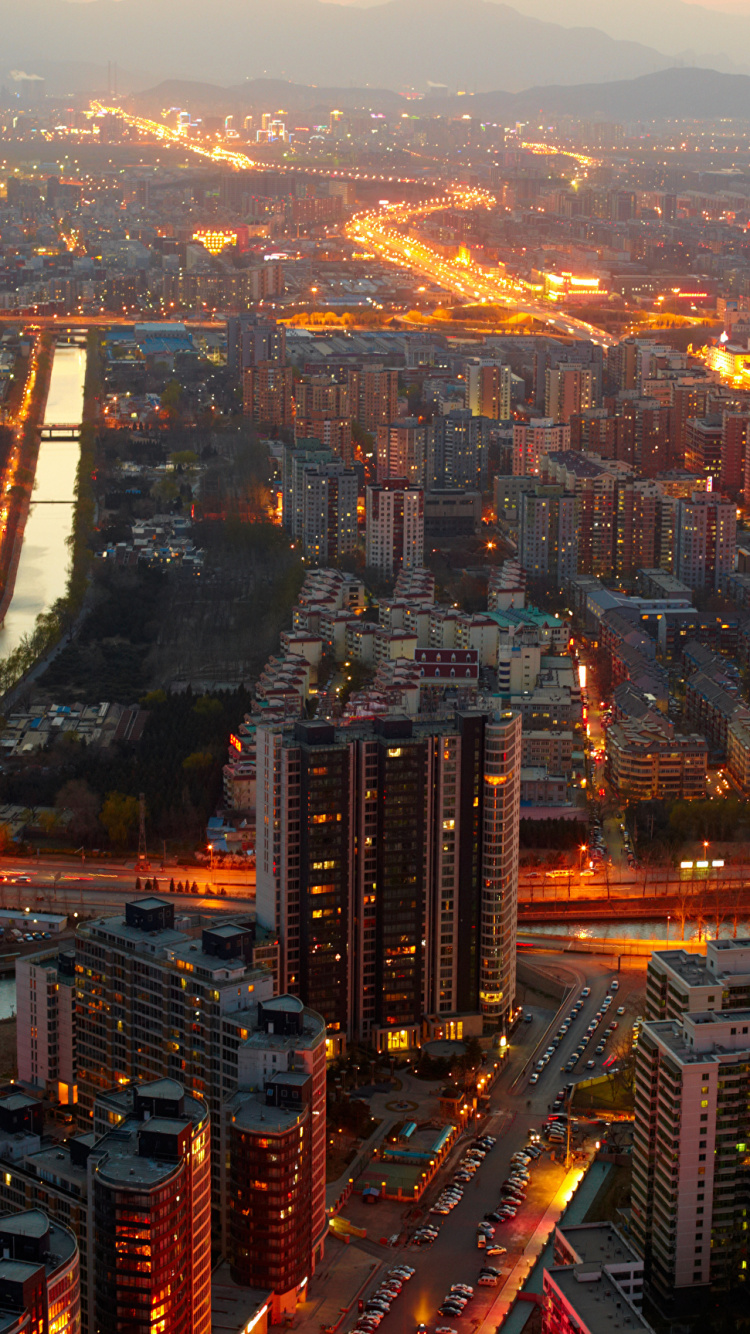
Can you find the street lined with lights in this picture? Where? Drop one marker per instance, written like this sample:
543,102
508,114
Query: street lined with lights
385,232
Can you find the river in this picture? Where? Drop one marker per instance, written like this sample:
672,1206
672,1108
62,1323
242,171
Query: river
653,929
44,566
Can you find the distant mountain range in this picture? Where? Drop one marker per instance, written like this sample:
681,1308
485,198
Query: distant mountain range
689,93
476,45
692,33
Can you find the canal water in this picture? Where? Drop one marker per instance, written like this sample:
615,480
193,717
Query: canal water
44,566
7,997
649,930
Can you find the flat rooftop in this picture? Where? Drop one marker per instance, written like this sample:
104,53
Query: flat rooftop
250,1113
598,1243
596,1299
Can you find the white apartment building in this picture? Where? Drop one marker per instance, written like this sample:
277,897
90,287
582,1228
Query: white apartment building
394,527
691,1160
45,1002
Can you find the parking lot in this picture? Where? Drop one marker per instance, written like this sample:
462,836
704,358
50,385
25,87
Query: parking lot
454,1256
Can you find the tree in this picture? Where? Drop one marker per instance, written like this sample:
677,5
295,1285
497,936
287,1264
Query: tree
77,797
172,396
119,816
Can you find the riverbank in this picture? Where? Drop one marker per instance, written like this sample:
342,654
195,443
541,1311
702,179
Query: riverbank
31,410
42,610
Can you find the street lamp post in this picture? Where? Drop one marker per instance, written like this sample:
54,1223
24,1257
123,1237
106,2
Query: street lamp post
669,916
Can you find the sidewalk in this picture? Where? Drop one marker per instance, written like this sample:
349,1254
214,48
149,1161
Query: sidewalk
516,1276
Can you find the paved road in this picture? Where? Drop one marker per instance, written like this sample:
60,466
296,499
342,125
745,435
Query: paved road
454,1258
62,885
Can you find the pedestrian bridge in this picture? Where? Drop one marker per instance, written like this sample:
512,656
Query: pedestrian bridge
61,430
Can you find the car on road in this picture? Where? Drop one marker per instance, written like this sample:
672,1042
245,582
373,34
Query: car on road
586,991
534,1078
620,1009
495,1250
590,1065
614,985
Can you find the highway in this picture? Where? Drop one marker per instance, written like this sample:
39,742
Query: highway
59,885
515,1108
384,232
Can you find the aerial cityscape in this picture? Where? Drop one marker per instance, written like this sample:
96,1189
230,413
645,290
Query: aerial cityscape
375,667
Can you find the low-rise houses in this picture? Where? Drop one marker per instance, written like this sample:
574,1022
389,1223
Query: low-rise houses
28,730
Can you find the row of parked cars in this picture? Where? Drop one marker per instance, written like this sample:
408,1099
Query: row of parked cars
469,1164
379,1303
514,1188
590,1033
560,1034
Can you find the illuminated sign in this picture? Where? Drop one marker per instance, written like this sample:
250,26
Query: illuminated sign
215,241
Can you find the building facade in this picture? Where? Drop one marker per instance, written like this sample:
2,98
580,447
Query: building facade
387,857
149,1181
394,526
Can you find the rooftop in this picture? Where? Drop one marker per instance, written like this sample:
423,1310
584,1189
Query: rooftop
599,1242
599,1303
251,1113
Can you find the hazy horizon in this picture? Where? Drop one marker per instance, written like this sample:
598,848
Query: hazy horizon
471,46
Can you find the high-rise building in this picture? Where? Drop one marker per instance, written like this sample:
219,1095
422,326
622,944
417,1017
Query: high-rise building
322,394
319,501
532,440
457,448
691,1165
252,339
640,507
150,1196
121,1041
374,397
402,450
39,1276
548,539
329,512
45,1001
277,1154
488,390
594,432
734,453
688,400
387,859
703,445
568,390
333,433
593,483
678,982
644,436
134,969
705,540
394,526
267,389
